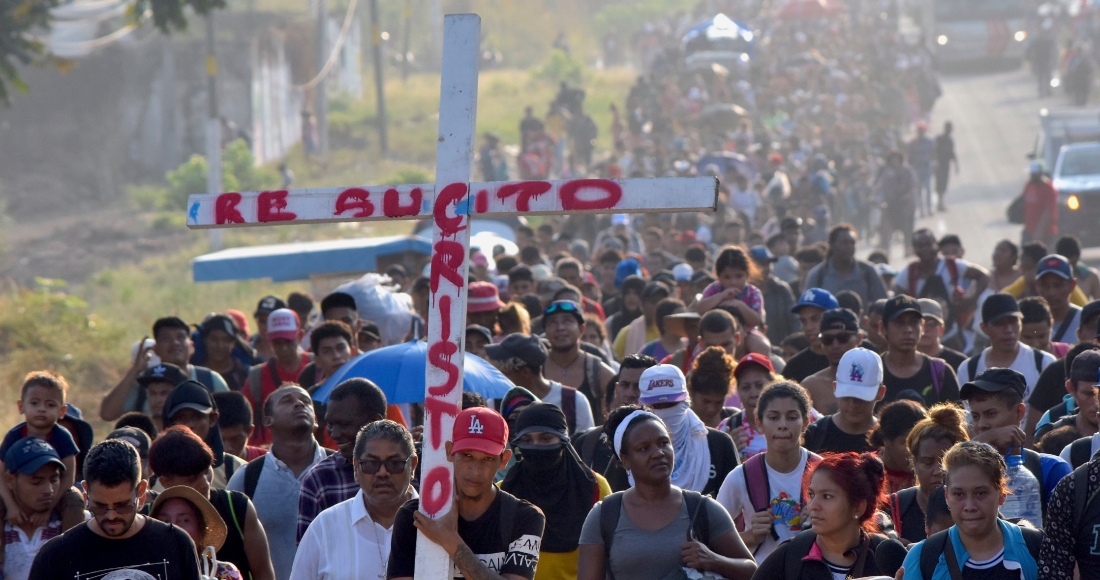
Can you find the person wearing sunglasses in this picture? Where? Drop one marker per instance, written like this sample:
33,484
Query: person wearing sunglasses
117,541
352,539
904,367
839,334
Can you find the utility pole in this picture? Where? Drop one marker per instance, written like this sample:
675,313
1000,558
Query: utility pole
406,40
379,82
213,126
320,94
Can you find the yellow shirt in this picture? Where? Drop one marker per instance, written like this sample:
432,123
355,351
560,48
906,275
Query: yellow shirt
563,565
619,346
1017,288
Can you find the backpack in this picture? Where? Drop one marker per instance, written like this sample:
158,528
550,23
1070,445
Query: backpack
900,503
869,274
1082,502
939,369
569,407
756,484
939,543
799,546
1080,452
609,520
972,363
255,467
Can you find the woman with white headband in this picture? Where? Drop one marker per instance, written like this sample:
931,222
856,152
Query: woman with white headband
655,529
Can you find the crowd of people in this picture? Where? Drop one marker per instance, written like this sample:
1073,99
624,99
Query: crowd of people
654,430
708,395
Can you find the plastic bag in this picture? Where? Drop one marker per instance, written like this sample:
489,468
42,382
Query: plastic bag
378,303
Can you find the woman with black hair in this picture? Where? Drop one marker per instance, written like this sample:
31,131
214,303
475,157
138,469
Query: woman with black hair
655,529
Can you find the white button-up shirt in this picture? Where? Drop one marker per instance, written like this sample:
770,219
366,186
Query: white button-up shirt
328,551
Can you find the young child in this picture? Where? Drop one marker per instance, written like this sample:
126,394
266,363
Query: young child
42,403
733,268
782,414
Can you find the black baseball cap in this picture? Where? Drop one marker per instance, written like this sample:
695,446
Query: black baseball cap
30,454
1089,310
269,304
162,373
839,319
998,306
133,436
188,395
899,305
479,329
995,380
371,329
1086,367
525,347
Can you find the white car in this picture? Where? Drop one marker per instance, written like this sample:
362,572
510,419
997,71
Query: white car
1076,177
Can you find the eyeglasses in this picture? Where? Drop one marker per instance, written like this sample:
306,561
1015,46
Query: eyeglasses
829,339
101,510
562,306
373,466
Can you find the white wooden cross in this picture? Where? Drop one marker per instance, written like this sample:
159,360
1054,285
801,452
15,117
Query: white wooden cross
450,202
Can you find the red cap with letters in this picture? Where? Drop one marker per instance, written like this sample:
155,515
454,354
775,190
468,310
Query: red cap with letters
479,429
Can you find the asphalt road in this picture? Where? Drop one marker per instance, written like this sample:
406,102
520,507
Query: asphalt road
996,117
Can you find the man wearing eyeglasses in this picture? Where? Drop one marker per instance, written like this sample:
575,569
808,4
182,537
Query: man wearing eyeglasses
839,333
351,539
904,367
117,541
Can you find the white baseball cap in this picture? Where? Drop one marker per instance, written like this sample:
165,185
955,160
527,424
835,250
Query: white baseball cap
283,324
662,384
682,272
859,375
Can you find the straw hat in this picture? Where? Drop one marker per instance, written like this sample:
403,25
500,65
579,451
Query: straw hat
215,532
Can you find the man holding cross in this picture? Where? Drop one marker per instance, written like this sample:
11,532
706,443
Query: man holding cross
488,533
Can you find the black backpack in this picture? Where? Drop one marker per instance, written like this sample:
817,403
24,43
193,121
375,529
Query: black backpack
1080,452
609,520
253,470
938,543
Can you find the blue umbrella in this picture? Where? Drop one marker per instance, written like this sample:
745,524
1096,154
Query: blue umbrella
399,371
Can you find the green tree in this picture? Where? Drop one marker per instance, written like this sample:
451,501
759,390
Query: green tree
239,173
17,19
21,21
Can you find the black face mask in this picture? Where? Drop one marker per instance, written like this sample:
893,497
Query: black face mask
542,457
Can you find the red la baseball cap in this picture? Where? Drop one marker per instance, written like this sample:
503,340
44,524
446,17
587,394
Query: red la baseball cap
479,429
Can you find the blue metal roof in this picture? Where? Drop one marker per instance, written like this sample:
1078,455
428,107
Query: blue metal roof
298,261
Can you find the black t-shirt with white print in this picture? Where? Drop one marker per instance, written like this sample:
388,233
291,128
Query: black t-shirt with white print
517,554
159,551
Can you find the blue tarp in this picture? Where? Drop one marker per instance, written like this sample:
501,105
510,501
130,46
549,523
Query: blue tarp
298,261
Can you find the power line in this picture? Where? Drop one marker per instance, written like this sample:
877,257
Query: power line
101,41
335,50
